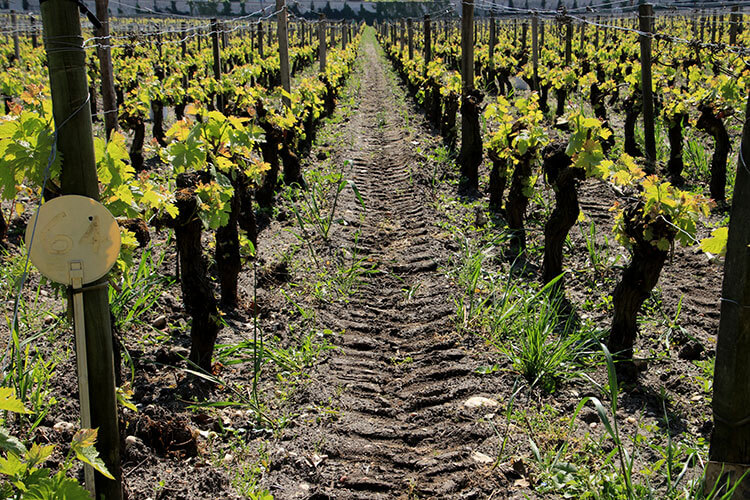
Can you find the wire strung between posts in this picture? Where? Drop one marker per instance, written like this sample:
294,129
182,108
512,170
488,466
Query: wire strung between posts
181,30
186,38
24,275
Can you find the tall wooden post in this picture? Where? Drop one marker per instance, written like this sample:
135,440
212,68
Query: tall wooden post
259,34
183,41
733,18
14,27
729,453
427,41
493,42
66,60
217,61
582,33
410,38
596,33
541,36
103,50
281,18
34,40
645,16
535,50
568,40
322,42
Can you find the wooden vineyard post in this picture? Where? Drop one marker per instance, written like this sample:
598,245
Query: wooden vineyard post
34,40
281,18
582,34
729,453
493,41
103,50
596,33
402,38
75,143
524,32
322,42
259,34
410,38
733,18
343,35
471,141
541,36
183,41
645,16
535,51
568,40
14,27
713,28
427,41
217,61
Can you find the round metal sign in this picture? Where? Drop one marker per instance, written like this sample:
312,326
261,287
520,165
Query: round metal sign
69,229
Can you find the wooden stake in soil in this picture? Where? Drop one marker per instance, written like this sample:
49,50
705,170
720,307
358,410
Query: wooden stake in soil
535,50
109,98
410,38
14,27
733,21
645,16
217,61
427,41
260,39
730,439
322,42
69,89
281,18
34,41
493,42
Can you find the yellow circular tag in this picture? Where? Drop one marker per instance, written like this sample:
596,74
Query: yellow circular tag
69,229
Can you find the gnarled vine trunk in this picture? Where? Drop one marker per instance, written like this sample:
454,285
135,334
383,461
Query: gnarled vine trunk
631,115
227,255
676,164
518,201
638,279
712,124
270,149
471,140
498,179
198,296
136,147
448,124
564,180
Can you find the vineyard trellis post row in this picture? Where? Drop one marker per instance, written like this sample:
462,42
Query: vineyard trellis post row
75,144
281,17
729,453
645,17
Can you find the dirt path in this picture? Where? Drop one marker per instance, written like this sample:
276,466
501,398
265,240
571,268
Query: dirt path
398,384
